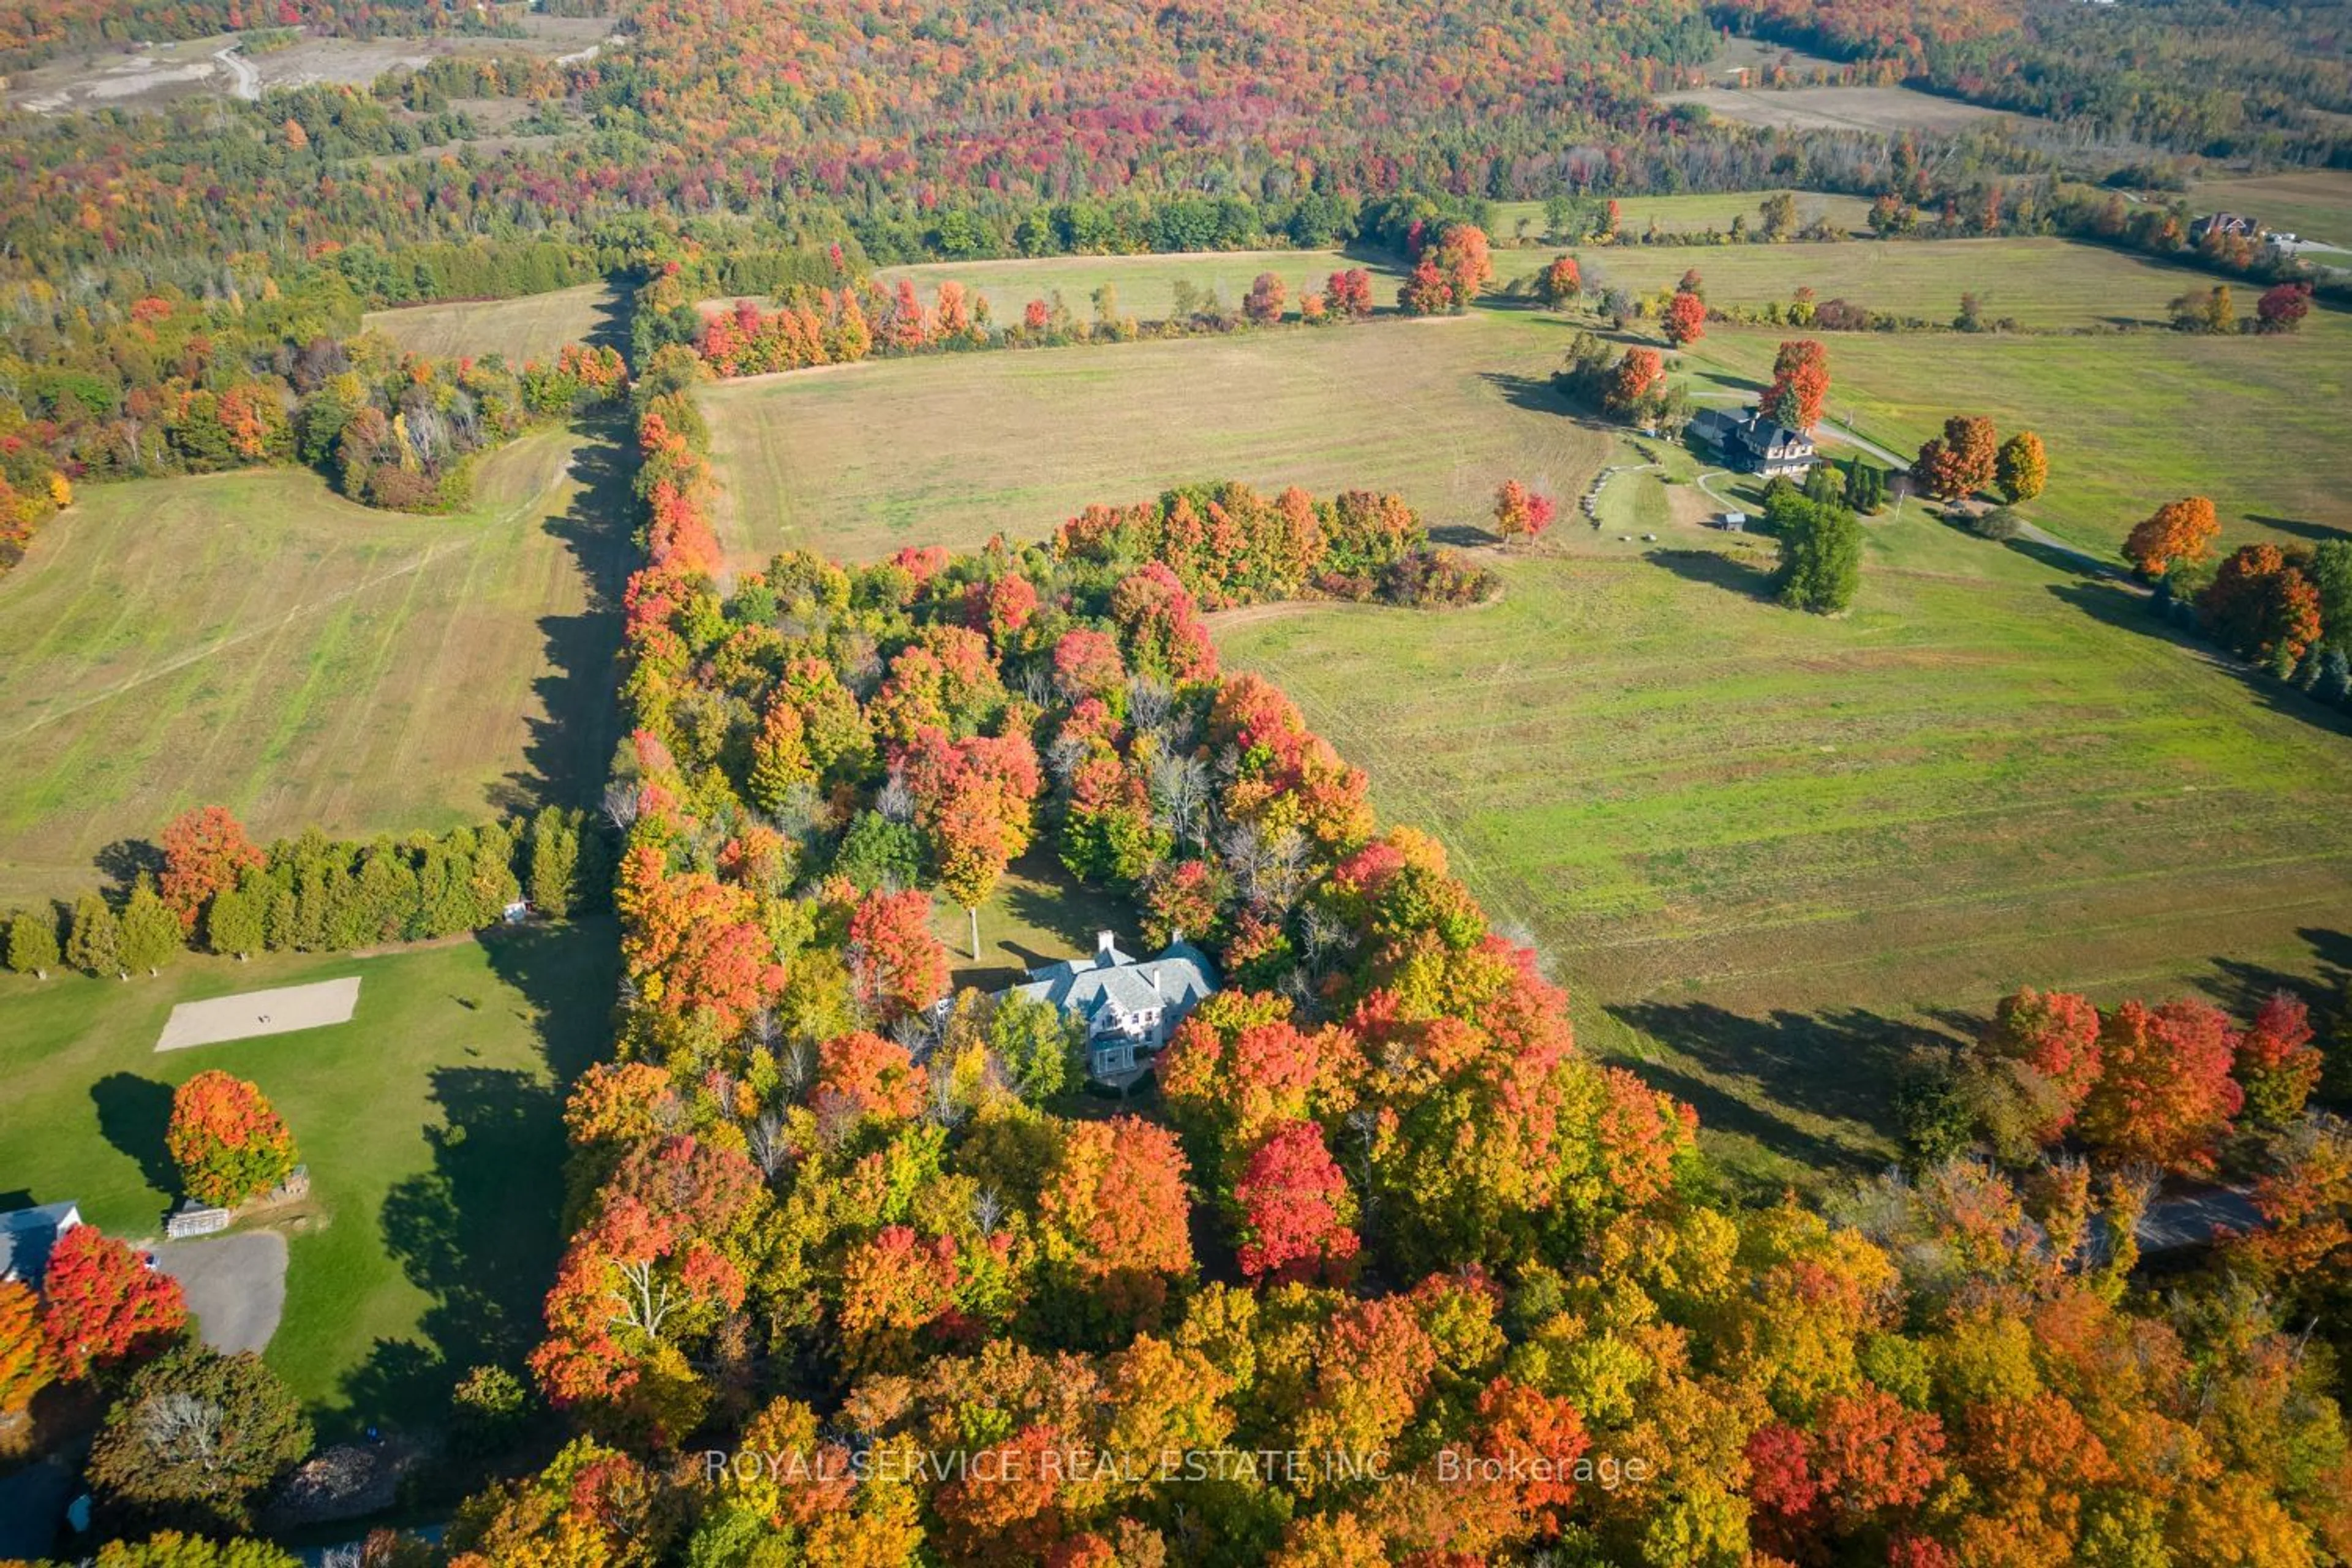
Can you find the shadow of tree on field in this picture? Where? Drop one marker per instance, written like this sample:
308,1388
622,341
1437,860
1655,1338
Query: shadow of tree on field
122,861
612,313
2117,605
2240,987
570,748
2317,533
1534,393
134,1114
2058,560
481,1231
1838,1065
1715,570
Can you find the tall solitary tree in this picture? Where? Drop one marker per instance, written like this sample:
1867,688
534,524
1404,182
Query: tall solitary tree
1685,318
1800,383
1821,554
227,1141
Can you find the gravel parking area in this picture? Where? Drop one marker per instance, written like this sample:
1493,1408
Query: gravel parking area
236,1286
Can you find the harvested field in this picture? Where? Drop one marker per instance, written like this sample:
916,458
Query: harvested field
533,327
1017,441
252,639
1836,107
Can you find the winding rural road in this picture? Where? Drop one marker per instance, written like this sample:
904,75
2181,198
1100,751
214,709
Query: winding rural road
247,85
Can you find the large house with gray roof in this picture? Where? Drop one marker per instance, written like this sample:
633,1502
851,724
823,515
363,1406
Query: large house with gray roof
1750,441
1130,1006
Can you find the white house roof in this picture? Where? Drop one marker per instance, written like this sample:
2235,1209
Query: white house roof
1173,982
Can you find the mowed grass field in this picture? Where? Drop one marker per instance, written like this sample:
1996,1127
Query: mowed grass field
2042,283
431,1124
254,640
2131,420
949,449
1693,213
533,327
1769,851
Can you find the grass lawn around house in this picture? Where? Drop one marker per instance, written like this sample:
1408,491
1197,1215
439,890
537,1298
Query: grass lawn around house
254,640
2130,420
1038,914
432,1125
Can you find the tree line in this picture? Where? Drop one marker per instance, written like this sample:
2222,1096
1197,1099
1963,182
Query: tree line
216,890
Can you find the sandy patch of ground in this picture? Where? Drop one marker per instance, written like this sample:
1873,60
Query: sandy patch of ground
278,1012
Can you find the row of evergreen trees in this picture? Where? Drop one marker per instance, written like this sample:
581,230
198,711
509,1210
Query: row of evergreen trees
314,894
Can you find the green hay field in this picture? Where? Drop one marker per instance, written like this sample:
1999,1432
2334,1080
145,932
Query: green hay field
530,328
254,640
1769,851
431,1124
1691,213
2042,283
949,449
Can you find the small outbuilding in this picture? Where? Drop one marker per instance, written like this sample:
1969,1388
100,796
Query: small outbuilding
28,1236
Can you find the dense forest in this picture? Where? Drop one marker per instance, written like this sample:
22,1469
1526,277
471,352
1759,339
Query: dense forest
2219,77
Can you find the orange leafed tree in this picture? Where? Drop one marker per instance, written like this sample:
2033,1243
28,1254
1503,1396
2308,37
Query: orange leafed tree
1520,510
227,1141
2178,530
2165,1094
1962,461
1800,383
1685,319
27,1364
103,1307
205,852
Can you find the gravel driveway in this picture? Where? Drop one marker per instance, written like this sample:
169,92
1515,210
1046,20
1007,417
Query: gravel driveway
236,1286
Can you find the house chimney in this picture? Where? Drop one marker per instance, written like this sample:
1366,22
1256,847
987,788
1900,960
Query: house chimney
1155,983
1106,942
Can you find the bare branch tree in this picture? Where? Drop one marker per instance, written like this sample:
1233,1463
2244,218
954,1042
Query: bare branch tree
640,1301
987,1210
896,801
620,806
770,1149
